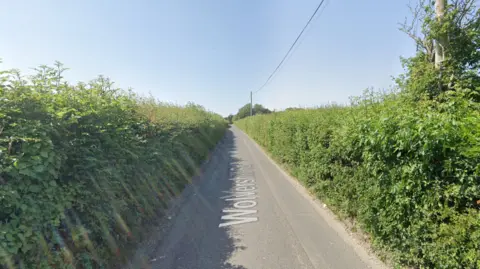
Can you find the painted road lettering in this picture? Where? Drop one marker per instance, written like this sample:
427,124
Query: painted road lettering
241,199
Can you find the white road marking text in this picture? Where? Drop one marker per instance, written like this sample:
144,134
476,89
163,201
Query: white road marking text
243,197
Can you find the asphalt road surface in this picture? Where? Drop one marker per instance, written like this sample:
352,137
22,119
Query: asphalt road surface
246,213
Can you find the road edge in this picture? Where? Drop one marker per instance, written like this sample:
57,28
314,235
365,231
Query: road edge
146,250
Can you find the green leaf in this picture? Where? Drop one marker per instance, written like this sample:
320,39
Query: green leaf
26,248
12,250
26,172
9,237
35,188
53,172
44,153
20,165
28,233
39,168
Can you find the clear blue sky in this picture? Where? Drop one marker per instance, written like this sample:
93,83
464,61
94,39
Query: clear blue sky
213,52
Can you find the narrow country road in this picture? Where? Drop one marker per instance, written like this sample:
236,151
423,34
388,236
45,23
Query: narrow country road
245,213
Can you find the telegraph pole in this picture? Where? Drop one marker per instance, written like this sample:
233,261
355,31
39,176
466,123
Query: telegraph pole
251,104
440,43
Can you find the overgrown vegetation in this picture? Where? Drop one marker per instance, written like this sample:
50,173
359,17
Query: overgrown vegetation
405,166
408,174
84,168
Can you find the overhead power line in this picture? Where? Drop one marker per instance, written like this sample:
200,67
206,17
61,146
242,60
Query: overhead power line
291,47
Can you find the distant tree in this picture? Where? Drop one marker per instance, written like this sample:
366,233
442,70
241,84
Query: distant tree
293,108
259,109
244,111
229,119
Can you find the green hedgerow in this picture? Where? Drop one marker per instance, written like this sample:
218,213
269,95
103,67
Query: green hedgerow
407,172
83,168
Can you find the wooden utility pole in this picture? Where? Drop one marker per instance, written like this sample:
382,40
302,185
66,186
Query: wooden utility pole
251,104
440,44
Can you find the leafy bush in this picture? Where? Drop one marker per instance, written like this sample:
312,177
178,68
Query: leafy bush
408,173
245,111
84,168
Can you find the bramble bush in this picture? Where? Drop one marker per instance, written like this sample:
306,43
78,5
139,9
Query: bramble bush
84,168
408,173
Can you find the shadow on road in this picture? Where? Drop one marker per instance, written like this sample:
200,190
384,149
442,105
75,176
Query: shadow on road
195,240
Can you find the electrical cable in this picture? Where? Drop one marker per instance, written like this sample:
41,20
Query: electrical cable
291,47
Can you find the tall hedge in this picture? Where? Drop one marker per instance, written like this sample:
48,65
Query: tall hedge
84,168
407,173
